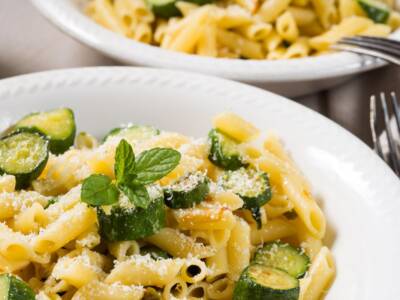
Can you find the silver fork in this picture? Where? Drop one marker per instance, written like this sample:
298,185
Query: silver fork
383,48
392,157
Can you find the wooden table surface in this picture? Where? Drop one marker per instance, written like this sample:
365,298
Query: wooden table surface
29,43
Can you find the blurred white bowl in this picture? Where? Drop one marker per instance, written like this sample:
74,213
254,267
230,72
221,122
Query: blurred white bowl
286,77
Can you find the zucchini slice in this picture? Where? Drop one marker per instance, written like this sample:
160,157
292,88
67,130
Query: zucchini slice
167,8
58,125
259,282
187,192
127,223
133,133
377,11
12,288
155,252
250,185
164,8
283,257
24,155
224,151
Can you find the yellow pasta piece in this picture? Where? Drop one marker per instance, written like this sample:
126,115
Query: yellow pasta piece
348,8
236,127
319,276
243,46
286,27
107,17
394,20
175,289
31,219
12,203
97,290
187,164
207,45
179,245
79,270
221,289
256,31
218,264
232,17
302,16
193,277
7,183
270,10
142,270
227,199
326,11
72,223
213,218
274,230
348,27
238,248
379,30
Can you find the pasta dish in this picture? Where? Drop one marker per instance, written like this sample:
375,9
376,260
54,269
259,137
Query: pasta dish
150,214
249,29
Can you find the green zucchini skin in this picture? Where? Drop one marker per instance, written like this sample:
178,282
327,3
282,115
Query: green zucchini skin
176,197
36,122
224,152
133,132
167,8
253,199
379,12
155,252
262,198
13,142
283,257
249,287
12,288
127,224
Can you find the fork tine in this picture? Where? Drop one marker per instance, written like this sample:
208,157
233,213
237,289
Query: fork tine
378,54
396,109
361,42
391,142
393,44
374,127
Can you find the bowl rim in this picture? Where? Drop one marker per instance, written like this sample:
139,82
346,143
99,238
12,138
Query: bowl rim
66,16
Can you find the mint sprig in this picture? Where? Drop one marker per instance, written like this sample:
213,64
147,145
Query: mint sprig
154,164
138,195
124,162
99,190
131,176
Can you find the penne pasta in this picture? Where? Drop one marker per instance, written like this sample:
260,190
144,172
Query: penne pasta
159,215
242,29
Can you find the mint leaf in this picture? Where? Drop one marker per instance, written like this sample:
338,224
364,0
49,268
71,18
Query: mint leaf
154,164
124,166
138,195
99,190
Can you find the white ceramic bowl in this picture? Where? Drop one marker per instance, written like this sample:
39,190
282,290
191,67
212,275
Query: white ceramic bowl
358,192
286,77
